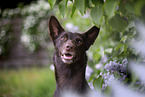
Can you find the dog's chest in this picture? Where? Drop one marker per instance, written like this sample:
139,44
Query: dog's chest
68,82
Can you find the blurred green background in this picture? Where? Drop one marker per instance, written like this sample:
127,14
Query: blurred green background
32,82
26,49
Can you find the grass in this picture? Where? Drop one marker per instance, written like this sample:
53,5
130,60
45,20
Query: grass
27,83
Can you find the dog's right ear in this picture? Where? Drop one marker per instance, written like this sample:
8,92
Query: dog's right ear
91,36
54,28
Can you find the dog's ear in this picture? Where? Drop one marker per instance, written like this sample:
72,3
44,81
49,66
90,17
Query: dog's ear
54,28
91,36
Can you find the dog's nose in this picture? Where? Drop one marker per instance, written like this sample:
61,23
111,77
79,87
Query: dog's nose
69,47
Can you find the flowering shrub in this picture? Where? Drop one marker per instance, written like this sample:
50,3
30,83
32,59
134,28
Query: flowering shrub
117,20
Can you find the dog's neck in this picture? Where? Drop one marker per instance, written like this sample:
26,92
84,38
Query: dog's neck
70,76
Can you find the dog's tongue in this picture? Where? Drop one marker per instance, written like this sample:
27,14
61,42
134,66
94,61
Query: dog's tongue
67,56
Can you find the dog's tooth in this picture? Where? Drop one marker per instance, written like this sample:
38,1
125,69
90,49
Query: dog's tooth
67,57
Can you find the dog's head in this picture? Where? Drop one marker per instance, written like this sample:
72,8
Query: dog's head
70,46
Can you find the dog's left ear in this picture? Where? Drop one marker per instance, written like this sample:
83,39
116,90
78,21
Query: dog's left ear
54,28
91,36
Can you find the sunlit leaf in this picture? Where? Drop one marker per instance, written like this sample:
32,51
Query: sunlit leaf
51,3
62,7
110,7
73,11
97,14
96,56
80,5
123,39
108,50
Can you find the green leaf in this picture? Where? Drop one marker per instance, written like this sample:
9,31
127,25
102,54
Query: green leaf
62,7
125,48
118,23
122,8
138,7
96,56
110,7
97,14
87,3
73,11
80,5
97,83
129,7
124,38
122,49
119,46
96,2
71,0
116,75
108,50
51,3
133,77
107,91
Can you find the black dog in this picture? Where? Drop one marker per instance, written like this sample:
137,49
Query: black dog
70,57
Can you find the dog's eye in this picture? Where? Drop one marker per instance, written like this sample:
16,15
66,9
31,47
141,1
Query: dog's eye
63,38
79,41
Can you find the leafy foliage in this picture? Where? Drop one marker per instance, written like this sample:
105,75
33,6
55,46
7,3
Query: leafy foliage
117,20
97,13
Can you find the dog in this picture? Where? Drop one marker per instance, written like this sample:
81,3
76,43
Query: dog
70,57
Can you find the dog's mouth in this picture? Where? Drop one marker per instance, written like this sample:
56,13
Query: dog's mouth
68,57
